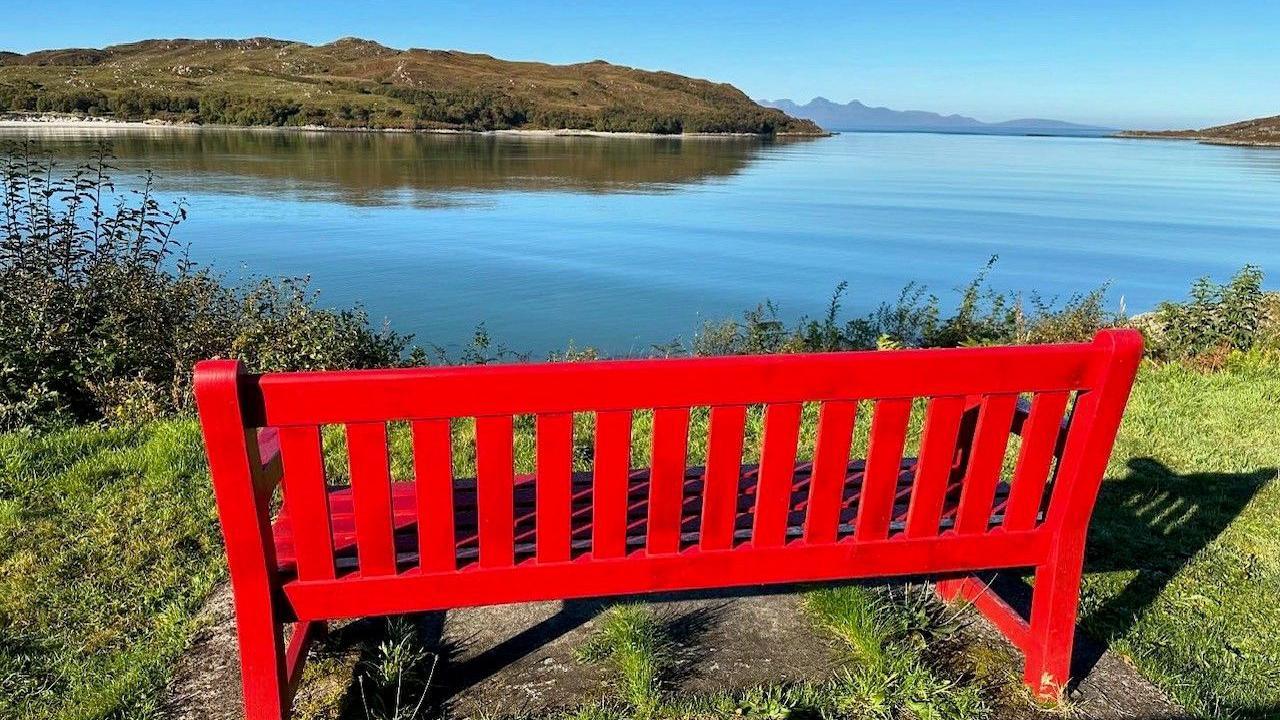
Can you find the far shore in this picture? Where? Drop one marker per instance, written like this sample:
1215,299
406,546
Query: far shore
1193,136
49,120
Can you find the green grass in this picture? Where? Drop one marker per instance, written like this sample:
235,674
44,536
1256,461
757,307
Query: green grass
886,672
889,673
1183,568
108,544
636,642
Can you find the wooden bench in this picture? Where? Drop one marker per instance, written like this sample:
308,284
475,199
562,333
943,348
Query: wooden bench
381,547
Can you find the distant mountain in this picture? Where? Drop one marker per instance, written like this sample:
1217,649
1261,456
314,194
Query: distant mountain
358,83
1259,131
856,116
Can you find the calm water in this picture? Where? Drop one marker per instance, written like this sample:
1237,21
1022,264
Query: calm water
626,242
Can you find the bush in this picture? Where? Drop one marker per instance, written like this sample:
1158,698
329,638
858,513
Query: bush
983,316
102,313
1218,319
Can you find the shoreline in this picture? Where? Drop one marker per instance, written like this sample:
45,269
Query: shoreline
73,122
1191,136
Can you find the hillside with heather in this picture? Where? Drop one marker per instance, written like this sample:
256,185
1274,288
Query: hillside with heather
1258,131
354,83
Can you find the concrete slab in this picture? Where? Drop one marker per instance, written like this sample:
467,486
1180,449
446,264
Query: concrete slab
520,660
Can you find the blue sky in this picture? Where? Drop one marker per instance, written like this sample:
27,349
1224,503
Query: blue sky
1172,63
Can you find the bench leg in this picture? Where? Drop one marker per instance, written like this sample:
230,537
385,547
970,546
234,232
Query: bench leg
263,670
1054,603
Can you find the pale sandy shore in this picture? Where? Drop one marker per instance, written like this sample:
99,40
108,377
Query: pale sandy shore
62,122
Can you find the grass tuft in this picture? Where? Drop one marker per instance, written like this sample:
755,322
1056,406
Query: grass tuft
635,641
888,636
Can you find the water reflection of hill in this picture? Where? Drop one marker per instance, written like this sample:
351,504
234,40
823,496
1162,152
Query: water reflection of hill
377,169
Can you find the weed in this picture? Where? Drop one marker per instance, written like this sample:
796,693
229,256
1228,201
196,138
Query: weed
635,642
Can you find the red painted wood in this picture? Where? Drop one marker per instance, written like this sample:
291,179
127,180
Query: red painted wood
937,452
777,474
972,590
666,479
609,492
830,466
555,478
446,519
247,537
495,475
884,460
307,498
313,398
371,491
689,570
724,468
995,420
1039,439
433,468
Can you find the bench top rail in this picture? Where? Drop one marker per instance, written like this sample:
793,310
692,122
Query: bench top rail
311,398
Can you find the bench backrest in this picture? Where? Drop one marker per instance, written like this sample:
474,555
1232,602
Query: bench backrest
1052,491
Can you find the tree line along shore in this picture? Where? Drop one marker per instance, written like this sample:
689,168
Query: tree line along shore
354,83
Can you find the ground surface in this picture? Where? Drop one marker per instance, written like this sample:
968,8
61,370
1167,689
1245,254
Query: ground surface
108,544
523,661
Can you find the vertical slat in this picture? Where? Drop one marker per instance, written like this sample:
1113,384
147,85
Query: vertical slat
720,484
884,462
1039,439
933,471
995,420
371,495
495,480
830,469
609,489
433,470
666,478
777,474
553,508
307,499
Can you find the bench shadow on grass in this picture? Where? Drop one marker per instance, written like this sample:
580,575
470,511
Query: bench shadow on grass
1150,522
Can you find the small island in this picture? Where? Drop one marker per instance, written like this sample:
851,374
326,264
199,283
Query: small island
362,85
1259,132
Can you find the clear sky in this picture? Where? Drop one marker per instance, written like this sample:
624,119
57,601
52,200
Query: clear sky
1122,63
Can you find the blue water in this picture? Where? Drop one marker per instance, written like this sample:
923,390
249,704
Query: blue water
624,243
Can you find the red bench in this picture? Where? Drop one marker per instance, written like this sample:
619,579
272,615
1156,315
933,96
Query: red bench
380,547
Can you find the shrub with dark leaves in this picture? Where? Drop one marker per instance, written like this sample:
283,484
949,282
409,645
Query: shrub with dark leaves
103,314
1219,318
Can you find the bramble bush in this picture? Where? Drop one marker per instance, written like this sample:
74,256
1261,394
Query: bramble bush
103,314
1218,319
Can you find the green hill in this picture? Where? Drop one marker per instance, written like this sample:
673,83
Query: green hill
353,83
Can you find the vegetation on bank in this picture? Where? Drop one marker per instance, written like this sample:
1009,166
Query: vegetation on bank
353,83
103,315
1263,131
108,539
